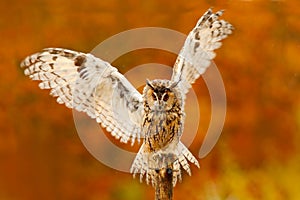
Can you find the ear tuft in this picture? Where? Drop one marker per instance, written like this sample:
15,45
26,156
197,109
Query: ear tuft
149,84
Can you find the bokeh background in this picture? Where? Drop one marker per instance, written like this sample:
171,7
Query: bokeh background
257,156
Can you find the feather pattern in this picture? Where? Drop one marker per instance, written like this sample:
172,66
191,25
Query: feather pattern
198,50
91,85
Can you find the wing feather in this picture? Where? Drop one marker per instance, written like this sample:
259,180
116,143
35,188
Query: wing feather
198,50
88,84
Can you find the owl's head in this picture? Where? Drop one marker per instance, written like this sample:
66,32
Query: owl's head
161,95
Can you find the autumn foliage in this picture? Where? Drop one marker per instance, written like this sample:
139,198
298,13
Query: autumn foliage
257,156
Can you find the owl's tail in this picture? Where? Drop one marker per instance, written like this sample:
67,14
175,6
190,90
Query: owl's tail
149,163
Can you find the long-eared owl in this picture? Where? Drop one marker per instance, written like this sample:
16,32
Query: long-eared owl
86,83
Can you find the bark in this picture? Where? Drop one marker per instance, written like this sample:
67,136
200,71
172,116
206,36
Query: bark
163,183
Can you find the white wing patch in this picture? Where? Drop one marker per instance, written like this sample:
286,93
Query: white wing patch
91,85
198,49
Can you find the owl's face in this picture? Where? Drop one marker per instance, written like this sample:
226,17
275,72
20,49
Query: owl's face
160,95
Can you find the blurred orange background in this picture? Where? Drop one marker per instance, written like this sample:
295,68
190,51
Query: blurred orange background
257,156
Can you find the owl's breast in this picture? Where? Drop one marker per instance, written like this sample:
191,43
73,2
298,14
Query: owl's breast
161,129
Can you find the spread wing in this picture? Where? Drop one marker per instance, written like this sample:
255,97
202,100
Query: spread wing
91,85
198,49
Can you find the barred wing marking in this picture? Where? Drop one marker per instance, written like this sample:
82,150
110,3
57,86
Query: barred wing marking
198,49
91,85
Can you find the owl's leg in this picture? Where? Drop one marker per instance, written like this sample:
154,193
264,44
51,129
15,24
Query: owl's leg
150,164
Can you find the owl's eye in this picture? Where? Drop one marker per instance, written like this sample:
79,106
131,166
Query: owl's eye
166,97
154,97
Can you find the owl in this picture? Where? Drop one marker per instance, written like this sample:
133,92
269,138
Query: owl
88,84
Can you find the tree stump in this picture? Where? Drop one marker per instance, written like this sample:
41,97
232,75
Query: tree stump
164,184
163,178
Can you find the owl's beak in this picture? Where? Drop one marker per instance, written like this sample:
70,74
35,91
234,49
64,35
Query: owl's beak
159,105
